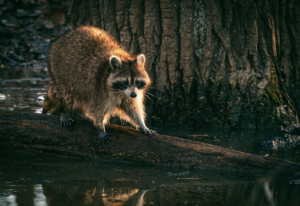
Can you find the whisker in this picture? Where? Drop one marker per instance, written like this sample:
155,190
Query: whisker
151,94
149,98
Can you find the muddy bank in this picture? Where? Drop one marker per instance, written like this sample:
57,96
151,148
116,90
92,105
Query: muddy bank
42,134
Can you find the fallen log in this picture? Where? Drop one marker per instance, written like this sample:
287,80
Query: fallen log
42,134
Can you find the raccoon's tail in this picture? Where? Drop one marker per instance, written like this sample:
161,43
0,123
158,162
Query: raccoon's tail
48,106
50,103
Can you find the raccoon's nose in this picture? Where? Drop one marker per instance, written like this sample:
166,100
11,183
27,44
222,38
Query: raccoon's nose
133,95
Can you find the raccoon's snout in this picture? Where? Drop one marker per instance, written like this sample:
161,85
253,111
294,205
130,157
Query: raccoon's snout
133,95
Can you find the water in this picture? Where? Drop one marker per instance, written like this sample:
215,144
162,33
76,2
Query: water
24,94
38,180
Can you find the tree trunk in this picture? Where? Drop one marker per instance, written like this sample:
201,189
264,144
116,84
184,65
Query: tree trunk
42,134
213,62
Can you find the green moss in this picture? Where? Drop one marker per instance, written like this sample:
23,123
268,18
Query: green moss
280,101
274,88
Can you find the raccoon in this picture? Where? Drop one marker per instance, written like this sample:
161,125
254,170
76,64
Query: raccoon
92,74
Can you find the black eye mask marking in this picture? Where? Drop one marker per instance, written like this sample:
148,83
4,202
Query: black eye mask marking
122,85
140,84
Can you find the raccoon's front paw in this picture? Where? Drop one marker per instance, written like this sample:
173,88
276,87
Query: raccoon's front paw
149,131
103,136
65,120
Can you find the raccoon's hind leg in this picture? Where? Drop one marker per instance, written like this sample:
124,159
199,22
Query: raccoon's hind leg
65,120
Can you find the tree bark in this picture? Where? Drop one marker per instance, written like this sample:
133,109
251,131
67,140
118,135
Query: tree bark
26,132
229,63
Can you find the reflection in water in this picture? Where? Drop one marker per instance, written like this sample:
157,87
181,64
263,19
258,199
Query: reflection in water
48,181
114,194
66,194
117,196
110,195
268,193
10,200
39,198
141,198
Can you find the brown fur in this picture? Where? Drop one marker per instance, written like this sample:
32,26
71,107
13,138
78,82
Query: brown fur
81,77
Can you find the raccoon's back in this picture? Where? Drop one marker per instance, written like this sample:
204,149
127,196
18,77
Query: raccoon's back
79,60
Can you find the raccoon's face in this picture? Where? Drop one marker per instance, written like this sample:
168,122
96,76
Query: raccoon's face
131,86
128,77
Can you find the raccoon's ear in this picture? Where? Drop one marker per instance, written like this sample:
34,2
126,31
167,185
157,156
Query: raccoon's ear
115,62
141,60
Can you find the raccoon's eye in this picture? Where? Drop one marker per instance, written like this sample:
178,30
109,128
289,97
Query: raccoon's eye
125,82
140,84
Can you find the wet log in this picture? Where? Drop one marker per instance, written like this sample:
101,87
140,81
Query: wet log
42,134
